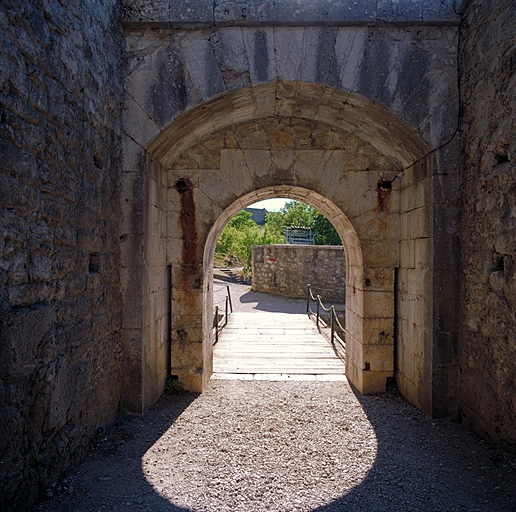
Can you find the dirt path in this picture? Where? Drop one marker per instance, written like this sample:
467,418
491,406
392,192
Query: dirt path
288,446
246,300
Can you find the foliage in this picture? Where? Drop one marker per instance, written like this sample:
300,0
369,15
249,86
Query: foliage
298,214
173,386
274,228
295,213
325,232
242,220
241,232
274,222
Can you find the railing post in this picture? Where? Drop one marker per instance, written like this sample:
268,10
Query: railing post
216,324
332,324
308,290
230,302
318,302
220,323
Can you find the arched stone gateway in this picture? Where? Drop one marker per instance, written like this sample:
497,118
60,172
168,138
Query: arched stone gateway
354,272
361,166
107,136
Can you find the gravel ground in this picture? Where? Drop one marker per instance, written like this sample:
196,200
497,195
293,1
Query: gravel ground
288,446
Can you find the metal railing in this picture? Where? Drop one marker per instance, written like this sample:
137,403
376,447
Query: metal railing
334,322
220,321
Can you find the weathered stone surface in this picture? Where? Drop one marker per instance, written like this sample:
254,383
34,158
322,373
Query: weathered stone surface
262,108
60,301
229,50
287,270
487,348
280,134
168,12
410,71
288,12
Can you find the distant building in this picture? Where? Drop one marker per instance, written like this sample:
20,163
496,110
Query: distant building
299,235
258,215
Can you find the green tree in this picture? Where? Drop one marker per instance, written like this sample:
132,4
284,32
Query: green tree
296,213
240,234
325,232
242,220
275,227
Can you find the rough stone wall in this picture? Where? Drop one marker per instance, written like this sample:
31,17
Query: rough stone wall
488,223
287,270
60,304
287,12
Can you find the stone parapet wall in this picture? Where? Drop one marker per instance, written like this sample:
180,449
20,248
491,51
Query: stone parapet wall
487,344
286,270
60,301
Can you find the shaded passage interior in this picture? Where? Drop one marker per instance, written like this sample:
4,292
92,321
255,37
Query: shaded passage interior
285,446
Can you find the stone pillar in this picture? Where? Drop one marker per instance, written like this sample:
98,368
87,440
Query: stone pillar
191,326
187,325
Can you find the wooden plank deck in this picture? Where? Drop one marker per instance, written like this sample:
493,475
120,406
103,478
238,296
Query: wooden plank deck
275,346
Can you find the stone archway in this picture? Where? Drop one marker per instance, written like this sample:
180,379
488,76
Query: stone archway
353,160
354,267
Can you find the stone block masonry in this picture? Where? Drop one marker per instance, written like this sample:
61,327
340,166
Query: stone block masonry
60,301
287,12
487,342
353,107
286,270
254,105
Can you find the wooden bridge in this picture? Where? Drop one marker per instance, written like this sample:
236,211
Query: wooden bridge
276,346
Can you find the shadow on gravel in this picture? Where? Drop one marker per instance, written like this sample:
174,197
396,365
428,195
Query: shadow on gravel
113,467
445,470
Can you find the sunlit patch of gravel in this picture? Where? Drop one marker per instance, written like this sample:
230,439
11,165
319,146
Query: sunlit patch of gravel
265,447
288,446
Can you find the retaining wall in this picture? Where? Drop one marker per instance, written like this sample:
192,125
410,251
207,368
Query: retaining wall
286,270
